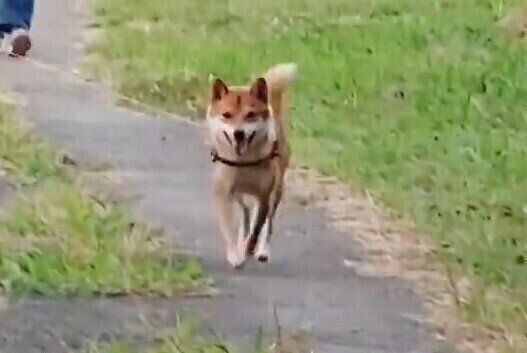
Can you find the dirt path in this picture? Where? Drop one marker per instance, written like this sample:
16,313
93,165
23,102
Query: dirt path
164,166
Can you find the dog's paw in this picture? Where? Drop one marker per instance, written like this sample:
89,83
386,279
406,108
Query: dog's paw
234,258
262,253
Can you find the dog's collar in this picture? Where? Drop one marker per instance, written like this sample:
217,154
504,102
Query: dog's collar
244,164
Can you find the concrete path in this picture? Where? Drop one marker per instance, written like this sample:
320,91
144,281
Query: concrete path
164,165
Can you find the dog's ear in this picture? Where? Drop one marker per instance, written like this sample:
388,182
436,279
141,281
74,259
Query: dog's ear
219,89
259,90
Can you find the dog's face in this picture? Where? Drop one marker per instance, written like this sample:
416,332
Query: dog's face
240,119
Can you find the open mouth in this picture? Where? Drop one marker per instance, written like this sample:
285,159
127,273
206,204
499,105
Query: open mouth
240,145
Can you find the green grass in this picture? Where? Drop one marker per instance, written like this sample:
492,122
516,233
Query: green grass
24,159
423,103
58,239
187,337
190,337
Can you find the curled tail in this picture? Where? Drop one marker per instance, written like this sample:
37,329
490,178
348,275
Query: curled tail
279,78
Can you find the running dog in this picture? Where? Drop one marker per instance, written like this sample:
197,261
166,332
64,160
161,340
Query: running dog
251,154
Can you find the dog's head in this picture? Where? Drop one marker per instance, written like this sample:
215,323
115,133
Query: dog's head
240,119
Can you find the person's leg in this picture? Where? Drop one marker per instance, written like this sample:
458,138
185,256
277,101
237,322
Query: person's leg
15,19
15,14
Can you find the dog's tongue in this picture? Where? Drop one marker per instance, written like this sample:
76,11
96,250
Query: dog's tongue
238,149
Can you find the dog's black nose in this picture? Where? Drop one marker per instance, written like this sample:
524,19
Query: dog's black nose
239,135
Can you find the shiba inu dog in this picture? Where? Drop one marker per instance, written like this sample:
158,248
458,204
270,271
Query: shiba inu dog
249,147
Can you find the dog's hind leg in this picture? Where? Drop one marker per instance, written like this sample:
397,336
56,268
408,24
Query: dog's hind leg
263,250
244,227
258,220
245,221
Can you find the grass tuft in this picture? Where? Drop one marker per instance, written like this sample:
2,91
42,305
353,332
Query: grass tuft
58,239
189,337
24,158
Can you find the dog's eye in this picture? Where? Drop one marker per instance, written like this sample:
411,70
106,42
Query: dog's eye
227,115
250,116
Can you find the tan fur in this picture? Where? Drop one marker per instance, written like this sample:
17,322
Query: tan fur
256,112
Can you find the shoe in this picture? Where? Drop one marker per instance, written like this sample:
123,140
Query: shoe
4,46
20,42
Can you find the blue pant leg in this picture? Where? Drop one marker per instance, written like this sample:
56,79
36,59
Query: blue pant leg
15,14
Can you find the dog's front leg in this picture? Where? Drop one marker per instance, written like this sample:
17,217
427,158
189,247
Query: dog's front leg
224,207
